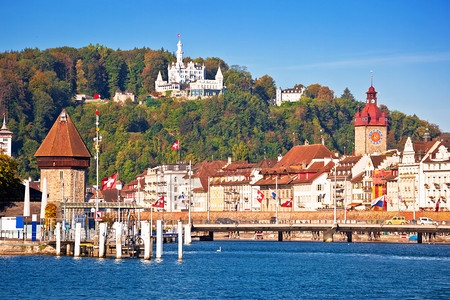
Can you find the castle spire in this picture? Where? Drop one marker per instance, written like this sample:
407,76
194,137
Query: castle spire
4,123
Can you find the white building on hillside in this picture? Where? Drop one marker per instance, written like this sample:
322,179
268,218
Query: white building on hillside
290,95
189,79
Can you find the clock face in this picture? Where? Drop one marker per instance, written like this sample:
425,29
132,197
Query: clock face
375,136
372,101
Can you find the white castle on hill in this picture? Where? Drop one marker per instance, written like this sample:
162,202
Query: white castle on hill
291,95
188,80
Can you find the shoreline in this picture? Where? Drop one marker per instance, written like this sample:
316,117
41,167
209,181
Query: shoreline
20,247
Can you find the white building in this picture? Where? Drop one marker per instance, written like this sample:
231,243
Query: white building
122,97
5,139
290,95
189,80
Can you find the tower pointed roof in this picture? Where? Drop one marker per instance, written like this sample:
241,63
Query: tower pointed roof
219,74
4,128
159,76
63,140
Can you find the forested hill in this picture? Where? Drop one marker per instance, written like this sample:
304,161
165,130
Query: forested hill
35,85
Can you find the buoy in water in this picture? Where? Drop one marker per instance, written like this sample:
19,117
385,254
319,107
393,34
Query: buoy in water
220,249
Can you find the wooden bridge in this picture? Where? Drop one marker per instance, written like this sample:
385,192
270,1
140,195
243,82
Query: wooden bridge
327,229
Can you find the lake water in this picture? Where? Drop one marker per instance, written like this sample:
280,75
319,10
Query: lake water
243,270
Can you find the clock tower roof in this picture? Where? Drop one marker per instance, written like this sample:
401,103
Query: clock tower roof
371,113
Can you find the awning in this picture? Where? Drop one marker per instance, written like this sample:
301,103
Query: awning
355,203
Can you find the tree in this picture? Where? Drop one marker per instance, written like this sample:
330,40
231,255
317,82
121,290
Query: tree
240,152
81,78
212,64
154,62
312,90
299,86
265,87
325,94
9,180
347,95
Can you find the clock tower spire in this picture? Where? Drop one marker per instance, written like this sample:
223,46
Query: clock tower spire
370,126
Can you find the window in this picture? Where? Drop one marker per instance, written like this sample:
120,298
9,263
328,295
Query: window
319,187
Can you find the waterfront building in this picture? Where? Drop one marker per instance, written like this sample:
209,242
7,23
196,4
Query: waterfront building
135,191
64,159
295,176
410,171
121,97
435,177
5,139
288,95
370,127
189,80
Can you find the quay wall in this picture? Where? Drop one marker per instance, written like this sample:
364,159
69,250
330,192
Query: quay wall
322,216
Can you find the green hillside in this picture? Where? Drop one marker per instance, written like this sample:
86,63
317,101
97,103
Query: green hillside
35,85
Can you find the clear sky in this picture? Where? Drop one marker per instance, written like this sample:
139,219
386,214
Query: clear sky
334,43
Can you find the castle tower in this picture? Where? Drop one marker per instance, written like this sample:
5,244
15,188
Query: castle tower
370,127
5,139
179,55
63,159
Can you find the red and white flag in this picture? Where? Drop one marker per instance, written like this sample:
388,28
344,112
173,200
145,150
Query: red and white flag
109,182
159,203
176,145
259,196
437,204
179,35
287,203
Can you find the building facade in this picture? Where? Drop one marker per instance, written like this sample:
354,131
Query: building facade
288,95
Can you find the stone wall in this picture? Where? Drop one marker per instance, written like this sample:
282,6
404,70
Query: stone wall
71,178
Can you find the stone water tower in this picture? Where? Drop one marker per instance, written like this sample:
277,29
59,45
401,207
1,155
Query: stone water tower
63,159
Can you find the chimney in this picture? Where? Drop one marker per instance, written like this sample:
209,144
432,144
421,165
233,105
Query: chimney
229,160
279,157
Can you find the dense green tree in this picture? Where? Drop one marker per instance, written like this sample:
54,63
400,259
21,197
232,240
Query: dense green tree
9,180
265,87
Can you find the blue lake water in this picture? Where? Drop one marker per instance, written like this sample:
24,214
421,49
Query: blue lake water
243,270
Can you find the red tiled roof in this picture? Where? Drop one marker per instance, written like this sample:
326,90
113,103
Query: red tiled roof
303,155
63,140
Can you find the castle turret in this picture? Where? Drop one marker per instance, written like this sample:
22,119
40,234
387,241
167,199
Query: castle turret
5,139
63,159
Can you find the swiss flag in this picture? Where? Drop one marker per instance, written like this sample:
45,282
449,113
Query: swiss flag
287,203
109,182
259,196
176,145
179,35
159,203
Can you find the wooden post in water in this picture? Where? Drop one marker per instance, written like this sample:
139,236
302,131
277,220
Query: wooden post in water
58,239
101,241
159,239
180,241
349,237
119,240
419,238
76,251
280,236
187,234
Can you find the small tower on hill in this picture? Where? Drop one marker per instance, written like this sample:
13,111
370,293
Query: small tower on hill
370,127
5,139
63,159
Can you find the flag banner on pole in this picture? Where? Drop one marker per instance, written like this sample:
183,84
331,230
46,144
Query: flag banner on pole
159,203
176,145
378,203
437,204
259,196
274,195
109,182
179,35
287,203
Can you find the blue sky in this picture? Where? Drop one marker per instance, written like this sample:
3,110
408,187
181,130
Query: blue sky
334,43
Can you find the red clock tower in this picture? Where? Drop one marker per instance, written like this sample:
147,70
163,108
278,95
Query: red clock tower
370,127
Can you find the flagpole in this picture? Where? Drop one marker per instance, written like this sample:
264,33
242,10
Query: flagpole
189,198
96,162
276,198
